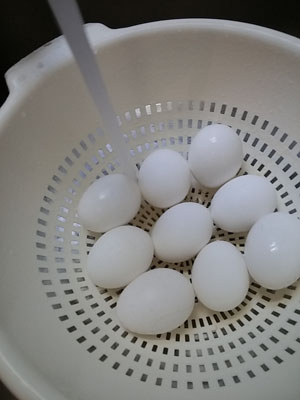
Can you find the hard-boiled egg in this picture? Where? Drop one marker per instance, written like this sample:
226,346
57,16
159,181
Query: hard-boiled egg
215,155
272,250
156,302
110,201
119,256
238,204
181,231
164,178
220,277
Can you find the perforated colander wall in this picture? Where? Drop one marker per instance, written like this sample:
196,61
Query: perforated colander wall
211,349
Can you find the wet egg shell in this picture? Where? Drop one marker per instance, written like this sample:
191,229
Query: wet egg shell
110,201
272,250
238,204
157,301
164,178
215,155
119,256
181,231
220,277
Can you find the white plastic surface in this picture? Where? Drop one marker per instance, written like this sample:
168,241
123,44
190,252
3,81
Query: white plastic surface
60,337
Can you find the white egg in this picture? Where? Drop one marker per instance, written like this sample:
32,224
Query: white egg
215,155
181,231
110,201
238,204
272,250
220,277
164,178
119,256
157,301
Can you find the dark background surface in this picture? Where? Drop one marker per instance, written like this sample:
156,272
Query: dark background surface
26,25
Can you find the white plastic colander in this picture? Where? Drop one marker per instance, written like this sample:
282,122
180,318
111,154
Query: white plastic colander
59,335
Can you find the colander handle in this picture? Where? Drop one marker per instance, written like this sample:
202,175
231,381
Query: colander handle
31,70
